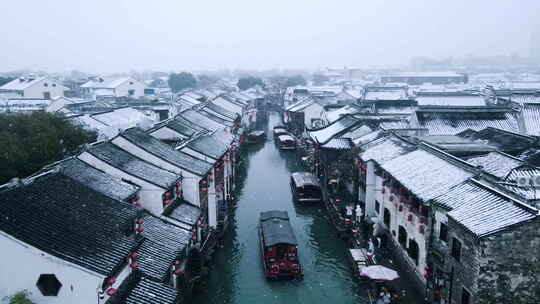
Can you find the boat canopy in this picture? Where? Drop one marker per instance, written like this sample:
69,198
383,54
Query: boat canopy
276,228
305,179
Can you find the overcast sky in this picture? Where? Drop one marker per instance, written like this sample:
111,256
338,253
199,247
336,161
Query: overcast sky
120,35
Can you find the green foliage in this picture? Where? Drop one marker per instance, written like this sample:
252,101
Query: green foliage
248,82
296,80
4,80
30,141
180,81
206,80
319,79
20,298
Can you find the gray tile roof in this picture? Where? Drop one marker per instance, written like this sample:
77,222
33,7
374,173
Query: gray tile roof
531,118
137,289
385,149
335,129
496,163
208,145
167,153
70,221
202,120
185,213
133,165
441,121
98,180
481,210
425,174
339,144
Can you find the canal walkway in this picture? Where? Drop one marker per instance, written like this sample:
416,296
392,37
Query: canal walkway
235,274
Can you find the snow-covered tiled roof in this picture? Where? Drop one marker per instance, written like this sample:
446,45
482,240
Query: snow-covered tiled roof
531,118
338,144
334,115
300,105
334,129
481,209
385,149
425,174
451,100
452,120
496,163
105,82
20,84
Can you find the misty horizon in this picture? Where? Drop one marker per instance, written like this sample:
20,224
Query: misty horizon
99,36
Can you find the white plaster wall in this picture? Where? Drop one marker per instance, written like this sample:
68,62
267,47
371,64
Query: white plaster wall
370,190
123,89
151,195
413,231
312,112
21,265
190,186
36,90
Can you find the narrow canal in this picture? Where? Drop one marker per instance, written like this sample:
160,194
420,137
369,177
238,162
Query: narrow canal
236,274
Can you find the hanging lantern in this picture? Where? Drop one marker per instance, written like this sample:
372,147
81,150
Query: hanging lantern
134,265
194,237
112,291
177,262
134,255
178,272
139,229
111,281
139,221
168,194
168,202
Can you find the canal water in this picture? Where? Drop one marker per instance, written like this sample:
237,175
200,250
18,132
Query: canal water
236,274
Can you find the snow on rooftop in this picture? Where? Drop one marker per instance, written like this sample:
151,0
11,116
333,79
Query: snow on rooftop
425,174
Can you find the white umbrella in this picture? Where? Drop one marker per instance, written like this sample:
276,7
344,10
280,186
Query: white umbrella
378,272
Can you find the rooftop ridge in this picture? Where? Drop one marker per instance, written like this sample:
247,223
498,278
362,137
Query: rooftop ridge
448,157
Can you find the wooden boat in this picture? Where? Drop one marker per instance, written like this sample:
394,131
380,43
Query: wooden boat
305,187
279,130
278,244
286,142
255,137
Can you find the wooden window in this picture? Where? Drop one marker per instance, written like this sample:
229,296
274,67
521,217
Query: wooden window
443,232
456,249
402,236
465,296
387,217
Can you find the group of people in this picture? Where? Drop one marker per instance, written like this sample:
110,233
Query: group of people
387,296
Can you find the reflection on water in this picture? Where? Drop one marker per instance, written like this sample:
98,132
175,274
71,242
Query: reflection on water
236,274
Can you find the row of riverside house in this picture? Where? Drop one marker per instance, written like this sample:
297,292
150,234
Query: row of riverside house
130,219
450,207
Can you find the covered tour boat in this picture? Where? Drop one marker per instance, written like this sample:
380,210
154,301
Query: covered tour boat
255,137
305,187
280,130
286,142
278,246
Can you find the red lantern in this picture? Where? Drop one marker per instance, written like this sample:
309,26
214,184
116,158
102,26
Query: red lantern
134,255
194,237
167,194
112,291
134,265
178,272
140,229
176,262
139,221
111,281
